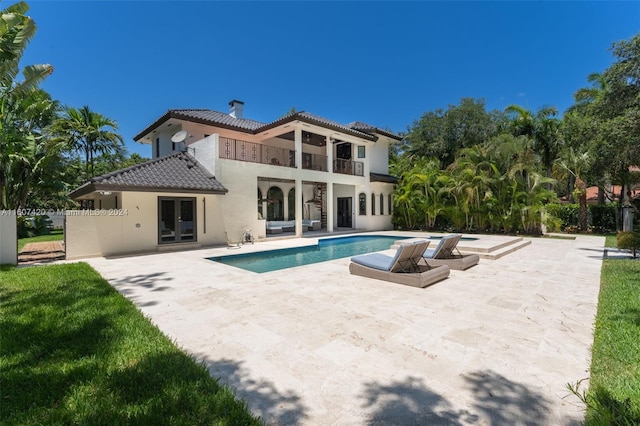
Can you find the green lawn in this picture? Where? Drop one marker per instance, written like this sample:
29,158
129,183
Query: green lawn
614,394
55,235
75,351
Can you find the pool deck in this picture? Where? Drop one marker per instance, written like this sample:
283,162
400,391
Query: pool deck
314,345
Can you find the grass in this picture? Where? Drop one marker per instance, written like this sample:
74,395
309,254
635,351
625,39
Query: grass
610,240
75,351
55,235
614,393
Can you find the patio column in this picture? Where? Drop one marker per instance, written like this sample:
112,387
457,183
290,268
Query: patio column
329,154
330,207
298,207
298,147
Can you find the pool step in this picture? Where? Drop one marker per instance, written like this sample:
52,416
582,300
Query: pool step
493,252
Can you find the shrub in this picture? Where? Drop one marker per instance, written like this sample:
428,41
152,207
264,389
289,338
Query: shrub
601,218
629,241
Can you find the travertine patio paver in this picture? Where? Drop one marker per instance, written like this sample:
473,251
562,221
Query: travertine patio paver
495,344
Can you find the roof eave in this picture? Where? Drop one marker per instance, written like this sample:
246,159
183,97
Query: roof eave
174,114
93,187
298,117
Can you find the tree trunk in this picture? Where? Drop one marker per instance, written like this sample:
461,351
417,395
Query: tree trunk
581,192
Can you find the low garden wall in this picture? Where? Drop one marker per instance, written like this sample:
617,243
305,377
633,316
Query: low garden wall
8,238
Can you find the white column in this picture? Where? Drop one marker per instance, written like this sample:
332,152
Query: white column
329,155
298,207
298,146
330,206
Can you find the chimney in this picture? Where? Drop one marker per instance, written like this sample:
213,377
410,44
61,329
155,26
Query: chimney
235,108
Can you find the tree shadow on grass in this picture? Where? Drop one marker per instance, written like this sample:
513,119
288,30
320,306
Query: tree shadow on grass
263,397
631,316
74,352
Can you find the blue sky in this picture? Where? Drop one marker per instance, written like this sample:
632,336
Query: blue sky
385,63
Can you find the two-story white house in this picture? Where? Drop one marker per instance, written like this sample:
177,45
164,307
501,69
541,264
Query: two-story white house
214,172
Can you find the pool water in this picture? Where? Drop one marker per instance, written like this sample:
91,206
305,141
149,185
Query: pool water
327,249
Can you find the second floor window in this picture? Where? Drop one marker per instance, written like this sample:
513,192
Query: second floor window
361,152
362,204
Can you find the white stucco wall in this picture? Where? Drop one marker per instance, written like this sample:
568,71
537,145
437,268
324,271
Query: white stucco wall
134,227
379,156
8,238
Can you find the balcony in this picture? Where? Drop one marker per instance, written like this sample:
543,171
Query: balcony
348,167
314,162
234,149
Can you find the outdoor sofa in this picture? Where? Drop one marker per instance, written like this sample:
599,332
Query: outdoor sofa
280,226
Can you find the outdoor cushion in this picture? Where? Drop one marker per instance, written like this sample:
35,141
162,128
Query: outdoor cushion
405,258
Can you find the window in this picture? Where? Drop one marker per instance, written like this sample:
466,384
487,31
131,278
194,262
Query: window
362,204
390,204
275,203
157,147
292,204
361,152
381,204
373,204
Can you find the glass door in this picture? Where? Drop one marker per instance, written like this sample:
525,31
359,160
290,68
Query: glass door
176,220
344,212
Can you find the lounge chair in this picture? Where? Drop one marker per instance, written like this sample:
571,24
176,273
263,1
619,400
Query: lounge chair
447,253
403,268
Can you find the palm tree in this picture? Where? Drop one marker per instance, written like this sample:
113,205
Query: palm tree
543,128
577,163
88,132
19,120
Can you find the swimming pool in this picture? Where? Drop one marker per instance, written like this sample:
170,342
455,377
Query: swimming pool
327,249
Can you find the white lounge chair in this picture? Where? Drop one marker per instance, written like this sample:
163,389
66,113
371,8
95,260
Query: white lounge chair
403,268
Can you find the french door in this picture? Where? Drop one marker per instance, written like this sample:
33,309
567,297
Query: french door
345,212
176,219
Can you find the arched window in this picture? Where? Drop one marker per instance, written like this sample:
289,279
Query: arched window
260,214
275,204
362,204
292,204
381,204
373,204
390,204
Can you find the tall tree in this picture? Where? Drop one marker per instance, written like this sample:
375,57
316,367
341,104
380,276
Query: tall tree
24,110
607,115
90,133
440,134
543,128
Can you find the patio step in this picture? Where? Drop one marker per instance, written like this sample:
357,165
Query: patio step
502,251
493,252
462,246
179,247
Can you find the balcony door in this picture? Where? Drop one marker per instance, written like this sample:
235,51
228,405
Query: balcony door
176,220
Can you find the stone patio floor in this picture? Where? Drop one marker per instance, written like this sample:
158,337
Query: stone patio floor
493,345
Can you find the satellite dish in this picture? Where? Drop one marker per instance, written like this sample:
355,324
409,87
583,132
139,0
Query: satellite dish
179,136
